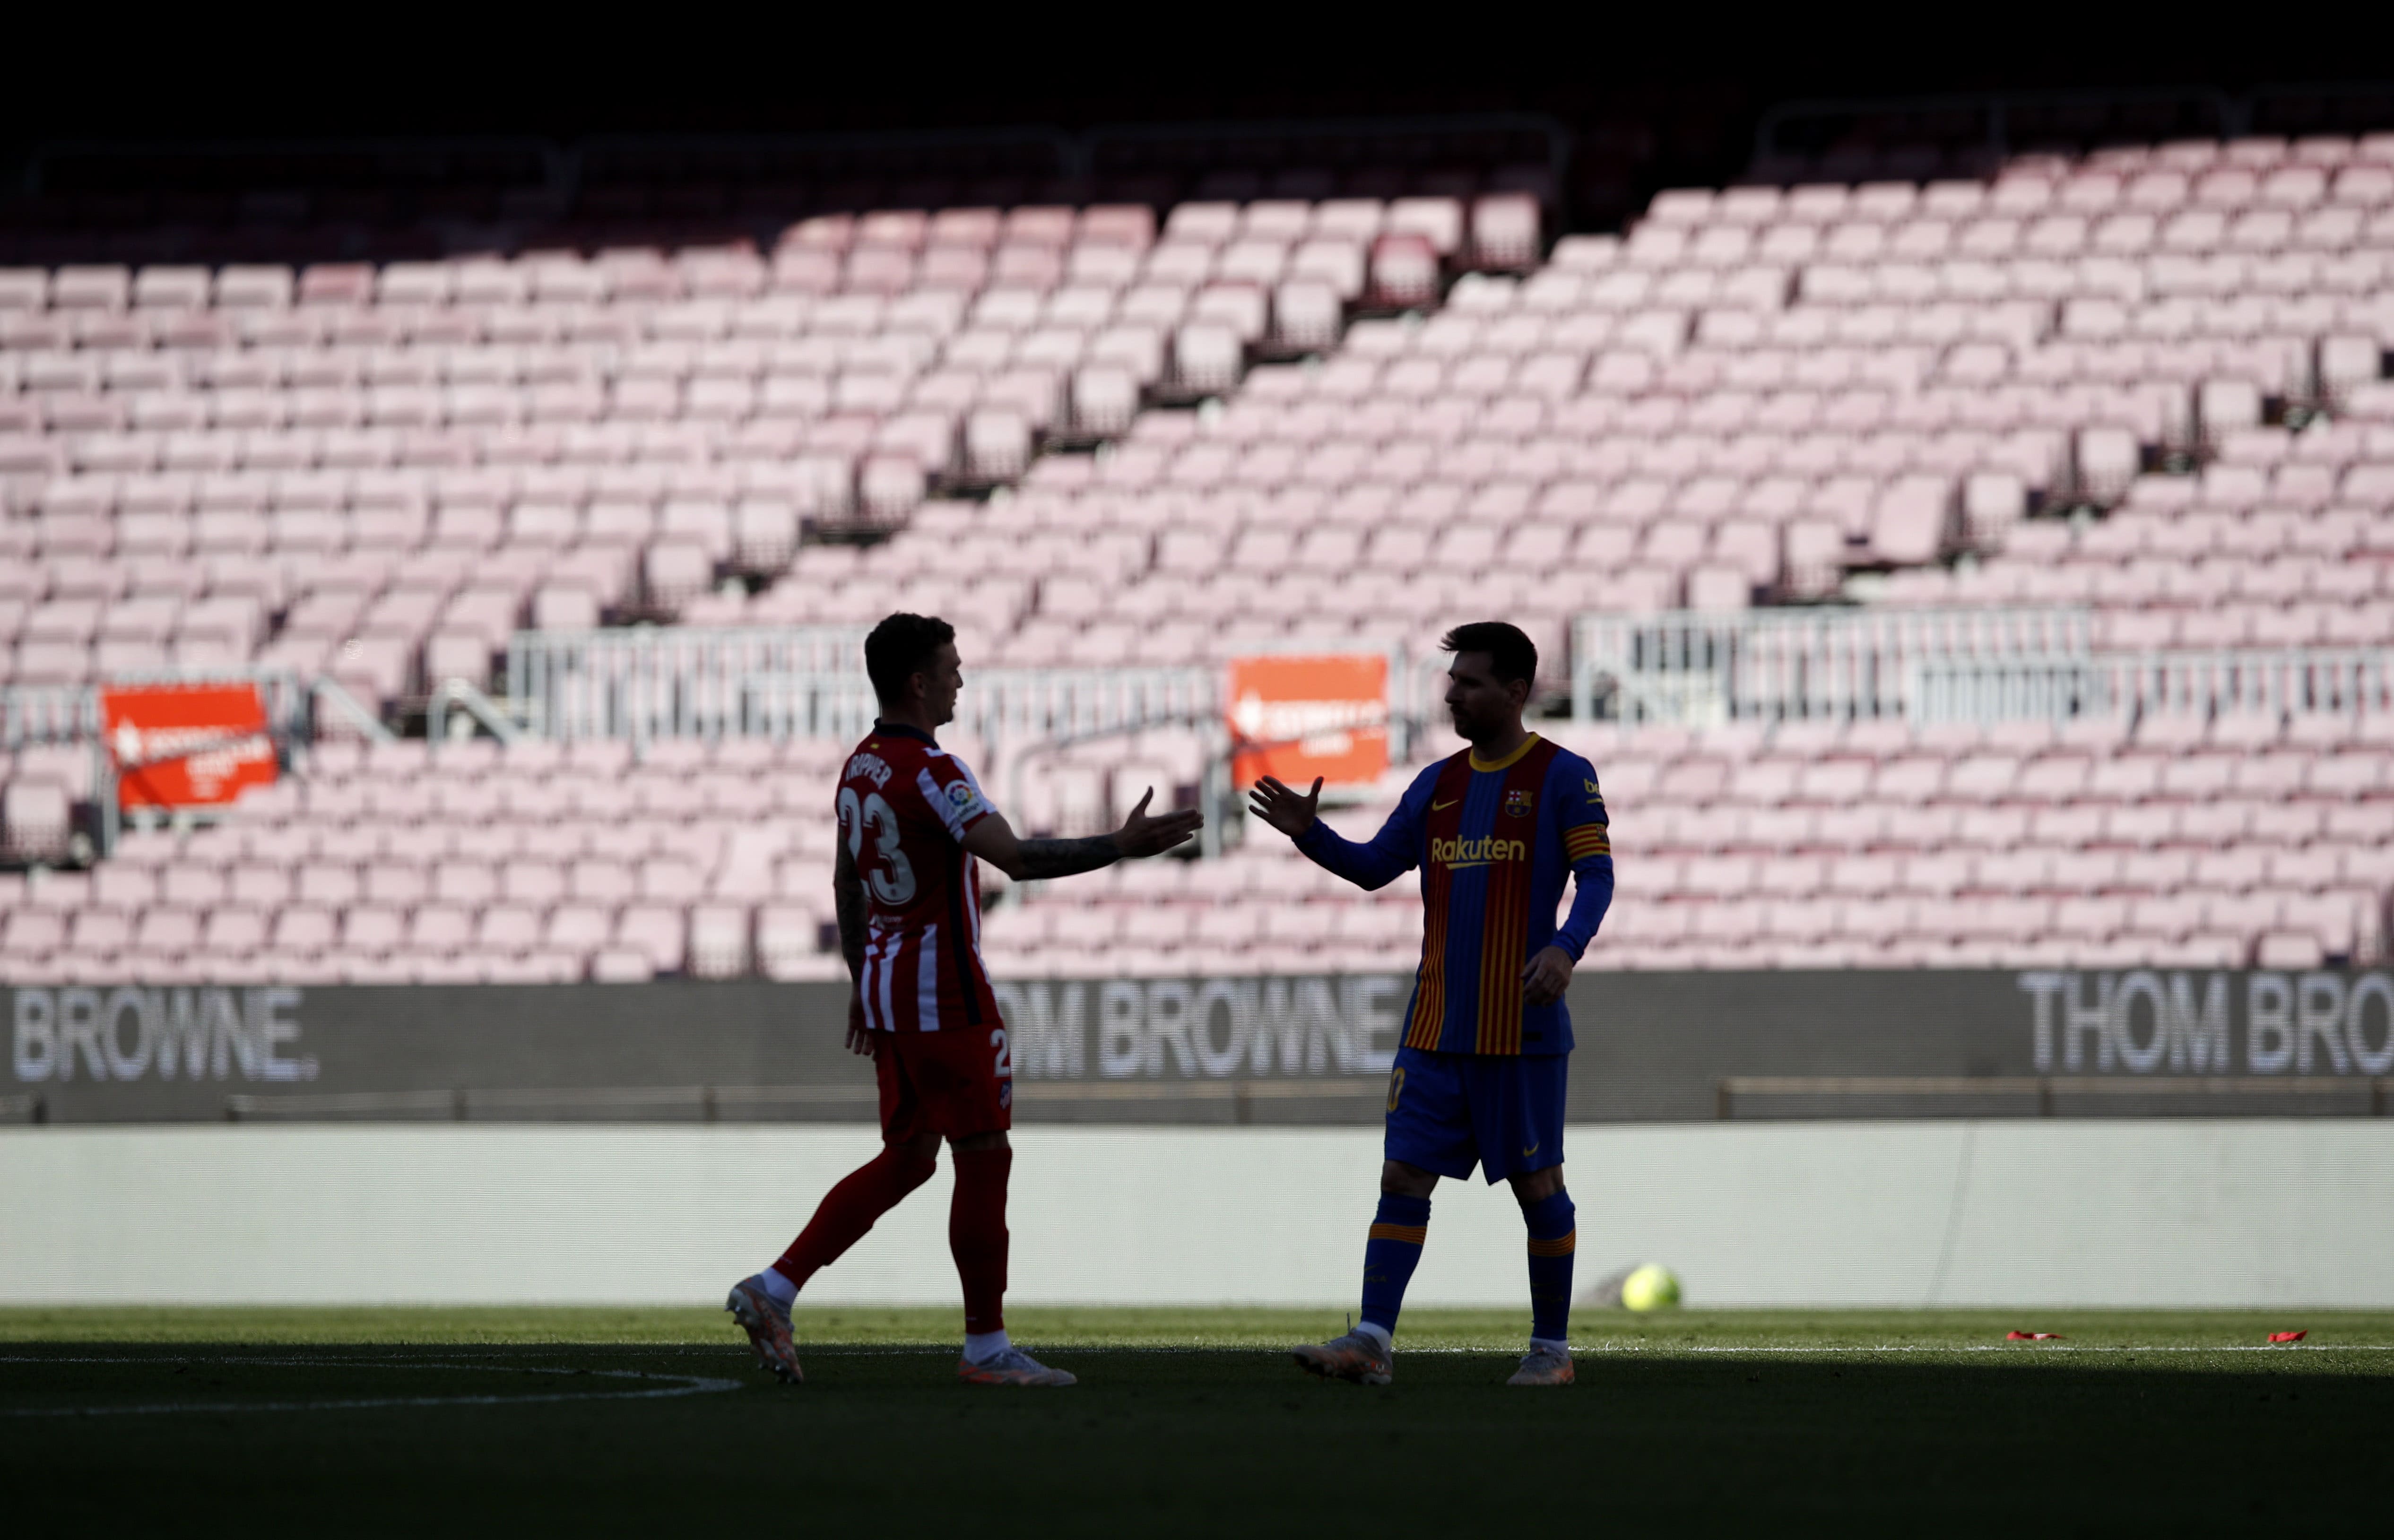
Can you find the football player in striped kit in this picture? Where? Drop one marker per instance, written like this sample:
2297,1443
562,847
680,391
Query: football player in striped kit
1480,1076
913,822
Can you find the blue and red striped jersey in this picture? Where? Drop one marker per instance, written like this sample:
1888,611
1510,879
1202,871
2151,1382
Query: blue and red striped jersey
1494,841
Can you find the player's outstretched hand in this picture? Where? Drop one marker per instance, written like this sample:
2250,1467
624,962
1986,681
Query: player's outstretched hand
1142,835
1282,808
860,1037
1547,976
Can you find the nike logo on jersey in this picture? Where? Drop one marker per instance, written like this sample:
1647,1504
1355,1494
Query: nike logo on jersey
1438,807
1528,1149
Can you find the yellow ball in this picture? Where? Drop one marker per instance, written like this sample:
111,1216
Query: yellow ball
1651,1288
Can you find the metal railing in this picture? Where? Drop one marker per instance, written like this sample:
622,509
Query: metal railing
809,682
1009,706
804,682
2273,682
33,714
1700,668
70,716
672,681
456,694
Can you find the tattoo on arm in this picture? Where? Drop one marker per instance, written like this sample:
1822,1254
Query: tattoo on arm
1063,857
847,902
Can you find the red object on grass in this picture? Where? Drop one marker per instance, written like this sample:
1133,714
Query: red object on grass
2288,1337
2031,1337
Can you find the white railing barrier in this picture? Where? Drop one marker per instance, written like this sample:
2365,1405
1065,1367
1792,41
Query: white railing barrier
809,682
70,712
70,716
2290,681
455,694
1696,669
998,704
329,696
663,681
33,714
1013,705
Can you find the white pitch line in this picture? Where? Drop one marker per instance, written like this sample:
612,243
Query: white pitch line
2003,1348
1654,1350
901,1350
687,1385
1657,1350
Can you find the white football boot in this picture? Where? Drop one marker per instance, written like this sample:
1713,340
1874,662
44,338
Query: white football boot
1544,1366
766,1322
1011,1366
1357,1357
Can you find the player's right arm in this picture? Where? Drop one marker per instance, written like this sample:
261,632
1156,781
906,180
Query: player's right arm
1373,864
993,840
848,904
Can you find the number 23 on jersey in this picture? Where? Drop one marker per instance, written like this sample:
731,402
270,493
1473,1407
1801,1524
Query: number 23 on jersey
889,871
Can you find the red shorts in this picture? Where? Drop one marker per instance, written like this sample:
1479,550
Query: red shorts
952,1083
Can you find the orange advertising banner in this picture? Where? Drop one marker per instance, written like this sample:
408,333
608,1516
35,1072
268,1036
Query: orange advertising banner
1296,716
186,745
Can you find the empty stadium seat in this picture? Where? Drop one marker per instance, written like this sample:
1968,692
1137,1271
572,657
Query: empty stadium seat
1757,396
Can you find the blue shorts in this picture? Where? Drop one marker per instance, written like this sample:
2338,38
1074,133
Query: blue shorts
1504,1113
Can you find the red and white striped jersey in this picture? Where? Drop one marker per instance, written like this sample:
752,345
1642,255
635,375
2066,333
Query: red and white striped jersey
904,806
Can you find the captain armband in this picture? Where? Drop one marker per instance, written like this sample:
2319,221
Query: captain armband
1588,839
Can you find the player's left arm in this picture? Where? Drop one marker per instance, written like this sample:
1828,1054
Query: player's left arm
1586,832
993,840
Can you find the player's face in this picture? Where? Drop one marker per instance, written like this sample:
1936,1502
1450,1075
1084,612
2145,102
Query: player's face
942,680
1481,708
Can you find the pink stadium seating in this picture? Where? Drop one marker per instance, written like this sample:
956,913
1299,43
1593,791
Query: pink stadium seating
1753,397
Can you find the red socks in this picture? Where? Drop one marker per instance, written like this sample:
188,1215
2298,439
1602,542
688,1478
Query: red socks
976,1223
977,1235
863,1196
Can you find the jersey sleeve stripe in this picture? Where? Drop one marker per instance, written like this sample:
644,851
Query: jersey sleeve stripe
957,815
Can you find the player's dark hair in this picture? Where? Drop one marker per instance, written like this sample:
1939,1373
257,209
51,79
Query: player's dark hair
1511,654
900,648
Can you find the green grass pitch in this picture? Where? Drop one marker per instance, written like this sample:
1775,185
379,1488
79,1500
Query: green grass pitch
1188,1422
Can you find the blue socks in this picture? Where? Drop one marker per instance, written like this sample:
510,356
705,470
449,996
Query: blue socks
1395,1248
1553,1235
1389,1257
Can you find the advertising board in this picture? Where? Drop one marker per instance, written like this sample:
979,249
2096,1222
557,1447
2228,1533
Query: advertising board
194,745
1296,716
1302,1049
